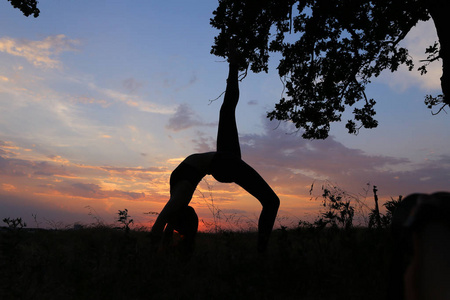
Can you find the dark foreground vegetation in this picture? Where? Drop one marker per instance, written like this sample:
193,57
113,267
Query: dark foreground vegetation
104,263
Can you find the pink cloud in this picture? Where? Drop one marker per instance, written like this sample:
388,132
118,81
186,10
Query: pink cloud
291,164
42,53
94,191
185,118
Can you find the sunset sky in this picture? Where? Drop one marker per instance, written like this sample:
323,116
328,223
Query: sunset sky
100,100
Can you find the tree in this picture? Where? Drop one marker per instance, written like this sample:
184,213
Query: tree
27,7
330,51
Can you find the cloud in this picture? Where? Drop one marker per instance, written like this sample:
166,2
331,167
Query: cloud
58,159
88,100
418,39
131,84
429,176
279,147
54,179
94,191
42,54
19,205
192,80
203,143
291,164
185,118
26,168
145,174
132,100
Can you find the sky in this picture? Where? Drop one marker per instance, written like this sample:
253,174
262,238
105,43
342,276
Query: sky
100,100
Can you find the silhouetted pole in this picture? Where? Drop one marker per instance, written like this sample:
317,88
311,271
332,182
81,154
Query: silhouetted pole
377,211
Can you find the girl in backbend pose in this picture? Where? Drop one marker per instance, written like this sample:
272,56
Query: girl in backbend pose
225,165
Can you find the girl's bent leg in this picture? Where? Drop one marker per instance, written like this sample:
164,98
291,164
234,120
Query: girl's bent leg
252,182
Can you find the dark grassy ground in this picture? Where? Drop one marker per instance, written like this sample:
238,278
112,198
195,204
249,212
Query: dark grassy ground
105,263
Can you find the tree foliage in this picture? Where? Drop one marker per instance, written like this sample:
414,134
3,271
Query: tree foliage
249,24
27,7
330,49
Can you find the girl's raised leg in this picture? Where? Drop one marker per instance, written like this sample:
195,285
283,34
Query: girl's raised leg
227,134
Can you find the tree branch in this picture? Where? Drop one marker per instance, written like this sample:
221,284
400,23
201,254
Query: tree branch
440,109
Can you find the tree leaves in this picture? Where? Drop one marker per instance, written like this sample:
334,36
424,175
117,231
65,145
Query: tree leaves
248,23
338,46
27,7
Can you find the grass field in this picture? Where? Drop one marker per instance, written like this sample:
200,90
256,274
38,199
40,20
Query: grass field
104,263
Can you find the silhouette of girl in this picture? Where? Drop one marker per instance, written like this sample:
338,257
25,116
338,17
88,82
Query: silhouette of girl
225,165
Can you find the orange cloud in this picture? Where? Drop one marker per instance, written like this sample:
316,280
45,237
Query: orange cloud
39,53
58,159
94,191
8,187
